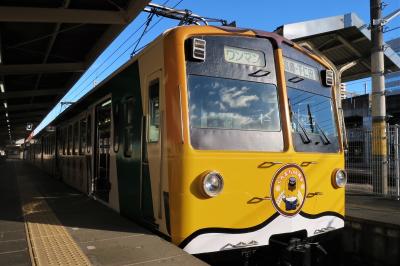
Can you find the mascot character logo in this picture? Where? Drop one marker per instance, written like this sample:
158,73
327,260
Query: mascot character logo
288,190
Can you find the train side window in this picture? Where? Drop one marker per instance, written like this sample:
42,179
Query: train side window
53,146
59,140
69,150
89,134
64,140
82,139
154,111
75,139
116,119
44,145
128,127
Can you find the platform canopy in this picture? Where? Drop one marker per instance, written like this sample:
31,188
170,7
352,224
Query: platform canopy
45,46
342,39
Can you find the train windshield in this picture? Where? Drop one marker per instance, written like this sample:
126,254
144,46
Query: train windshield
312,121
233,99
222,110
232,104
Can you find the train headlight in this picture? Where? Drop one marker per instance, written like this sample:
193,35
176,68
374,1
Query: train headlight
212,184
339,178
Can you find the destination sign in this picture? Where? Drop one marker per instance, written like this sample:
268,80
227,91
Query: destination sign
300,69
244,56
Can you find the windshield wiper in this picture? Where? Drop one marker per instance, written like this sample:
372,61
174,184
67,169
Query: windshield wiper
324,137
313,122
304,137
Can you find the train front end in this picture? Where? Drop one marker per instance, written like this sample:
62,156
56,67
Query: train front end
254,143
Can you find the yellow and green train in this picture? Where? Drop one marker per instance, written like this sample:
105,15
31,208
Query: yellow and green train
217,137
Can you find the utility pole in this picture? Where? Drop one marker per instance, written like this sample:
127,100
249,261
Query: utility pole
379,134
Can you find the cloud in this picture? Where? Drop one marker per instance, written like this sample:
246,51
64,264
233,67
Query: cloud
235,97
235,120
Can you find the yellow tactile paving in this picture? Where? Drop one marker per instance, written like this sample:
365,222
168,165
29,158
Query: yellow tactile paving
50,242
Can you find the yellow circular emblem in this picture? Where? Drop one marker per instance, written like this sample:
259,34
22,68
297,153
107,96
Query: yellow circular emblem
288,189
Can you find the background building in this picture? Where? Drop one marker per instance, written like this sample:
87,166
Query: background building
357,110
392,80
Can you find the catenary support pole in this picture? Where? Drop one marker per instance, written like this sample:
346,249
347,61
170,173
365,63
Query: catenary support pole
379,134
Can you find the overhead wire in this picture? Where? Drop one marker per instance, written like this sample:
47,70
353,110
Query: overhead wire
43,37
392,29
149,19
129,47
97,68
108,57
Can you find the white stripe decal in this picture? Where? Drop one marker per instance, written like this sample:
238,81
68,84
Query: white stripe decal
211,242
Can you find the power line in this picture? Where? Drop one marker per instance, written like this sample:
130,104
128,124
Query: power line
115,50
392,29
43,37
149,19
106,60
135,42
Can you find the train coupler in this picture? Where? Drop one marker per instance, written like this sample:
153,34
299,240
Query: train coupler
299,252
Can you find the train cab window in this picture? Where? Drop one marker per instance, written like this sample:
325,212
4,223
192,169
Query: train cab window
229,114
89,134
116,126
128,127
154,111
312,121
82,139
75,139
69,149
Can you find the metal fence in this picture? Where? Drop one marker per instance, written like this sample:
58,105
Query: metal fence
366,171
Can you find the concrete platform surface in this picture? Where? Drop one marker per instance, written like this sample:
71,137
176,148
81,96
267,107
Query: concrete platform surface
13,244
374,209
371,236
105,237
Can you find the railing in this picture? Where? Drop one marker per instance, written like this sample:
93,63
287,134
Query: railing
367,173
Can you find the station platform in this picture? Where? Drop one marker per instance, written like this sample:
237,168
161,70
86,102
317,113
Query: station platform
372,230
45,222
374,209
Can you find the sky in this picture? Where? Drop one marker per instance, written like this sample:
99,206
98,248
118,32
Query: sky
258,14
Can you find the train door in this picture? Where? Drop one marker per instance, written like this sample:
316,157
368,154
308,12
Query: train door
101,153
152,153
89,152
